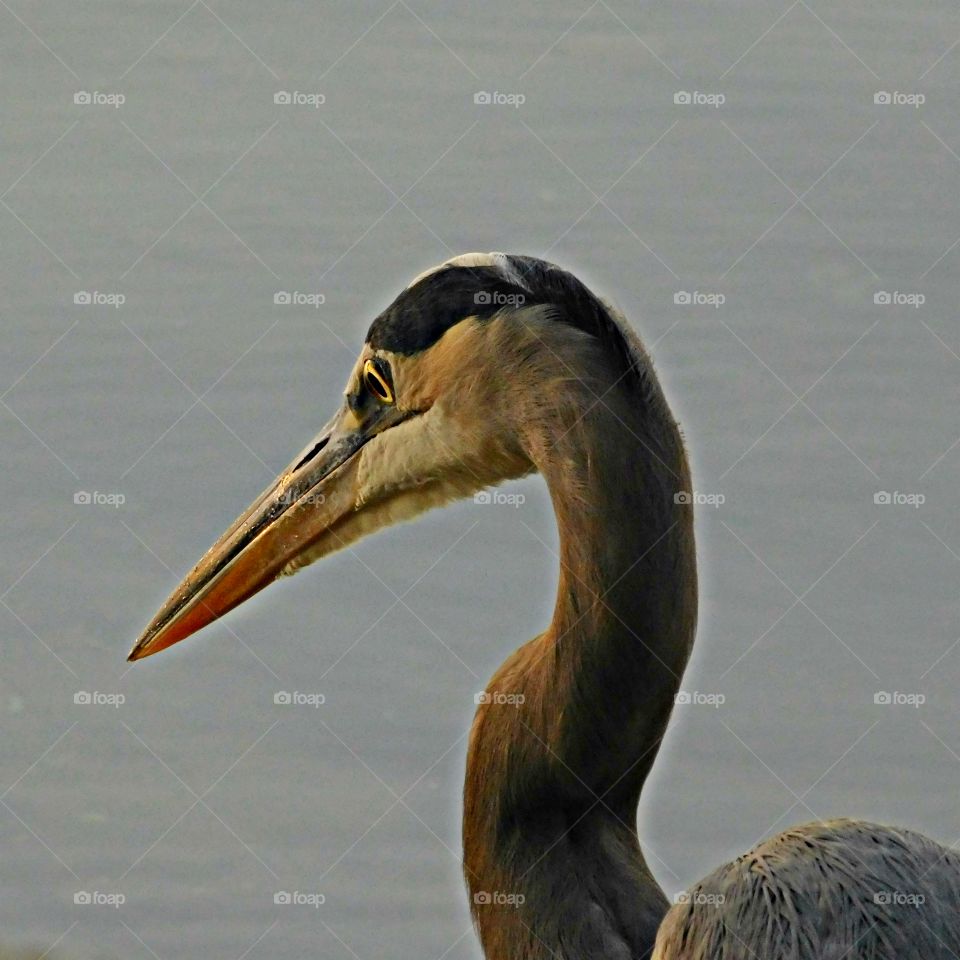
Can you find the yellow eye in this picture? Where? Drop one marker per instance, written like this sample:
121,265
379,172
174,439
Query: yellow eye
376,383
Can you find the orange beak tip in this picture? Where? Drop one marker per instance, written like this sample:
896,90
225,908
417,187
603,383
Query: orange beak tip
136,653
133,655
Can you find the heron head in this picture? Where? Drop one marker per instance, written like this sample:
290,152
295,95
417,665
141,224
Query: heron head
435,409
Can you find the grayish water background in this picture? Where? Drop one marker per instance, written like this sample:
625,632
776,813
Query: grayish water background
199,798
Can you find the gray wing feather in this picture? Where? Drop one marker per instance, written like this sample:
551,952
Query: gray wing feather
833,890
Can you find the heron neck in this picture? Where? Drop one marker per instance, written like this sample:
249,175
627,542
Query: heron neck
555,773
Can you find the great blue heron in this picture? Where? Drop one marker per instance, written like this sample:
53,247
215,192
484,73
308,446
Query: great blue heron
490,367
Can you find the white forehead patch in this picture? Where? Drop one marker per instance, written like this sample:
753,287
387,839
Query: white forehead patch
499,261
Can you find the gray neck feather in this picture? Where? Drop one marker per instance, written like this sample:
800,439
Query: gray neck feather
552,785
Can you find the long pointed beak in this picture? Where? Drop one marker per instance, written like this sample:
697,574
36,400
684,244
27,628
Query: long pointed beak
303,505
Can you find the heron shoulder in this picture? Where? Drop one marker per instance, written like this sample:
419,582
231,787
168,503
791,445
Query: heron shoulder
826,889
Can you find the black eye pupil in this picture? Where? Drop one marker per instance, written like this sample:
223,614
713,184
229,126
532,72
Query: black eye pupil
376,387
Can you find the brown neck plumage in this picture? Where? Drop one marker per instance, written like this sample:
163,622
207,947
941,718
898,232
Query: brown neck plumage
559,753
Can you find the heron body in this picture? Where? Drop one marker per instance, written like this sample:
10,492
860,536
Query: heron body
836,889
487,368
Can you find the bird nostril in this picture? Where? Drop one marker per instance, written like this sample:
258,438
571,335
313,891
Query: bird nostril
317,447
